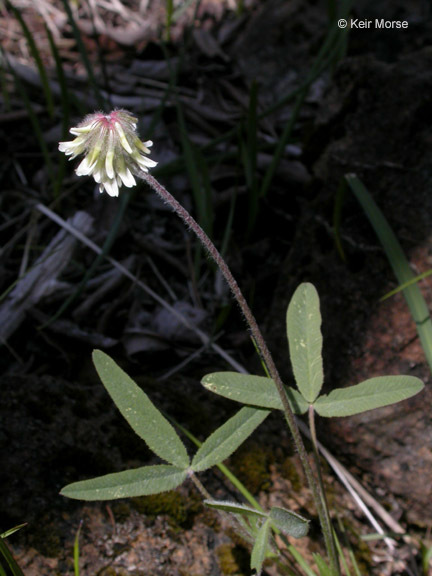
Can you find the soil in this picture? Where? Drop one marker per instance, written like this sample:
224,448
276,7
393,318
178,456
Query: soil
369,115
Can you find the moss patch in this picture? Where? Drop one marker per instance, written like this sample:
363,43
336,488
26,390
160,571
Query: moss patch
179,509
251,465
233,560
110,571
290,472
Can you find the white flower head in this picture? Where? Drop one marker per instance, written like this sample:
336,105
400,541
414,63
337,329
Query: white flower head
112,148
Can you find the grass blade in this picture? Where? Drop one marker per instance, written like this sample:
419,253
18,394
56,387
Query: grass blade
33,119
337,218
37,58
83,52
112,235
399,263
65,108
169,18
300,560
10,560
4,86
198,175
249,157
12,530
76,551
406,284
349,548
330,50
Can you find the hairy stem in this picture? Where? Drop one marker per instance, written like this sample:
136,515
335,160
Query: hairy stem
262,348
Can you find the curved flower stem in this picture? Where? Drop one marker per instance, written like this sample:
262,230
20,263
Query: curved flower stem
263,350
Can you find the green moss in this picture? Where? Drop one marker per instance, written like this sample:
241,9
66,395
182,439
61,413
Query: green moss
179,509
233,560
211,519
363,556
290,472
110,571
251,465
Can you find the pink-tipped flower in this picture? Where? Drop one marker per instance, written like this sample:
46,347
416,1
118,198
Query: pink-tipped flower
112,148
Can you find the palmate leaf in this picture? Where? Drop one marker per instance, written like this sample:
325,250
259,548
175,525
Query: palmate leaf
141,414
252,390
129,483
370,394
226,439
305,341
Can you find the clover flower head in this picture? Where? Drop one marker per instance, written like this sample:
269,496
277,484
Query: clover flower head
113,151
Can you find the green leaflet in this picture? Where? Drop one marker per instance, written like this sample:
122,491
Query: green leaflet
370,394
261,547
289,522
253,390
226,439
129,483
140,413
305,341
284,520
235,508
